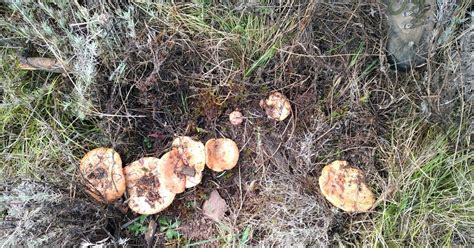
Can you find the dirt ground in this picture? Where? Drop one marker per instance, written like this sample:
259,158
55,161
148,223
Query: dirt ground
173,77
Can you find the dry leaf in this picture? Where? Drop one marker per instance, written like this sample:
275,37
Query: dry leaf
45,64
150,233
215,207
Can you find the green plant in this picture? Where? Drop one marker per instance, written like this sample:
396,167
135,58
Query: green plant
169,227
138,227
229,237
433,201
251,40
38,132
245,236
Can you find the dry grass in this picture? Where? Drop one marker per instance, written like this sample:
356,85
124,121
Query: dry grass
37,214
141,73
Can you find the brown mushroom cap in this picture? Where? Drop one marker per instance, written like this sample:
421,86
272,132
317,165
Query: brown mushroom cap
173,171
276,106
191,151
102,172
221,154
194,156
344,186
147,195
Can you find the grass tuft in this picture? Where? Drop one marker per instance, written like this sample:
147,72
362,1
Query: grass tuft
38,135
433,180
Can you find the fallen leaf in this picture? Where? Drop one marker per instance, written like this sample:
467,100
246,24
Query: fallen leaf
38,63
150,233
215,207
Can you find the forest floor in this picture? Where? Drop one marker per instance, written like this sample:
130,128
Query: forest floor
135,75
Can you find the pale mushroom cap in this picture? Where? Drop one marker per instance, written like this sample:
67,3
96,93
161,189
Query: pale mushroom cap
344,187
169,166
147,195
276,106
221,154
195,180
102,171
236,118
192,152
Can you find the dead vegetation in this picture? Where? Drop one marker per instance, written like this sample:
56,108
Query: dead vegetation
140,74
39,214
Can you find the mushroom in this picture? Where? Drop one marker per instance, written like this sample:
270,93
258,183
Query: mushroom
221,154
173,171
147,194
276,106
193,155
344,187
102,172
236,118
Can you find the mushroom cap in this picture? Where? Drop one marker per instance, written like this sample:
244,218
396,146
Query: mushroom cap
276,106
170,168
147,194
344,187
221,154
192,152
236,118
102,172
194,156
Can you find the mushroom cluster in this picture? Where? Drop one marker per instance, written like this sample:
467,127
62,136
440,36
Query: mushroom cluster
152,183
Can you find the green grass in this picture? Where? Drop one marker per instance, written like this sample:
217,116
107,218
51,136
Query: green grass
38,132
433,201
250,39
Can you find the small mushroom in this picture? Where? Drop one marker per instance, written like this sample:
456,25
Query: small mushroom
221,154
173,171
344,187
236,118
276,106
193,155
102,172
147,194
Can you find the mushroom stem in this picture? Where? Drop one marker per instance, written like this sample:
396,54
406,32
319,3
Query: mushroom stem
186,170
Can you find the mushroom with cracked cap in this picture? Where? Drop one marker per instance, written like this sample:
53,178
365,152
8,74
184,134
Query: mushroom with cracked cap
344,187
193,155
277,106
101,169
173,171
147,193
221,154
